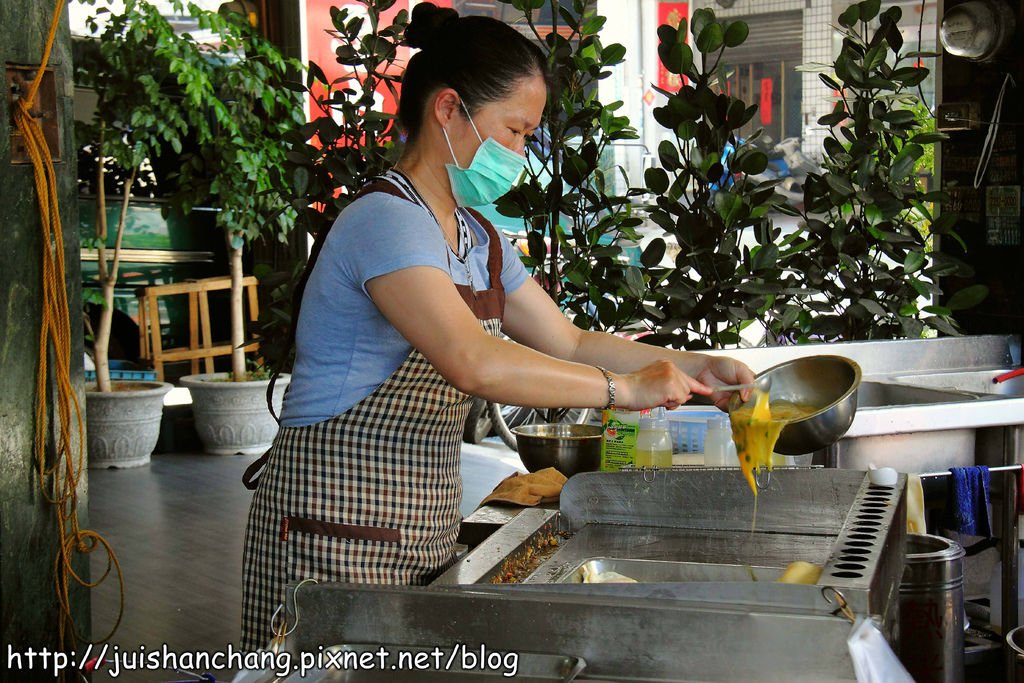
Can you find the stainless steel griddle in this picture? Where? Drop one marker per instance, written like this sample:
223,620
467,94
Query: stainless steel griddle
707,607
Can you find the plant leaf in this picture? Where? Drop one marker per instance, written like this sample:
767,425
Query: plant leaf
968,297
913,262
736,33
710,39
653,254
850,17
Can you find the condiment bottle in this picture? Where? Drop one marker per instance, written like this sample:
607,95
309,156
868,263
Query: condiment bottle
719,448
653,441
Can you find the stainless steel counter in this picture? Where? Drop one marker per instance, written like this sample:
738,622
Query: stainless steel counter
709,610
701,619
895,357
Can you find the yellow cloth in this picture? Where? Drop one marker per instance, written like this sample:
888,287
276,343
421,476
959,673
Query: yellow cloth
529,489
915,505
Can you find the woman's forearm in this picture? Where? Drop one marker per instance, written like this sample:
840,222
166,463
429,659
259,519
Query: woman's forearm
505,372
622,355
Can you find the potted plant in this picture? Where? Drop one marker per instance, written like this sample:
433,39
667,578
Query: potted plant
710,199
135,119
237,167
870,226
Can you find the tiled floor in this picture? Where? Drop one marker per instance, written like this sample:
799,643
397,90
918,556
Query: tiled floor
177,528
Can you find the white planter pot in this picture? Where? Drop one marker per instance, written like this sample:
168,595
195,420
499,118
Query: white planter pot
232,417
123,425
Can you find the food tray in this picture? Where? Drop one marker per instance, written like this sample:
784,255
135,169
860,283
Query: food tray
661,571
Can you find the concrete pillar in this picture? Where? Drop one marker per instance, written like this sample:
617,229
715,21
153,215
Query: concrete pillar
28,533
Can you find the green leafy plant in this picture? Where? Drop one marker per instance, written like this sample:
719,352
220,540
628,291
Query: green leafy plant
214,114
574,225
733,265
238,166
141,113
349,139
347,142
867,219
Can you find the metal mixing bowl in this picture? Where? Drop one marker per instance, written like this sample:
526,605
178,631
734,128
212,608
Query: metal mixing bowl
829,384
569,448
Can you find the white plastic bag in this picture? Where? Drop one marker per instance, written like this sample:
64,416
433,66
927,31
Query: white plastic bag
873,659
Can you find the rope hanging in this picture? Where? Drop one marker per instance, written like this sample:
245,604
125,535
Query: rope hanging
58,481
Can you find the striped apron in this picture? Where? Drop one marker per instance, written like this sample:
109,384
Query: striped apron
369,496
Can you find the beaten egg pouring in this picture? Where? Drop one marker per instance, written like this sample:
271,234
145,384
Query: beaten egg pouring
756,428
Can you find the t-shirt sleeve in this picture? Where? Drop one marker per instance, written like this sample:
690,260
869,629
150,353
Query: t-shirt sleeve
380,234
513,272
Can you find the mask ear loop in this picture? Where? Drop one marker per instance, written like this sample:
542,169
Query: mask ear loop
454,158
465,109
448,140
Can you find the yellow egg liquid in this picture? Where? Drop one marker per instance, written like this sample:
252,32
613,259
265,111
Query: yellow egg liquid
756,428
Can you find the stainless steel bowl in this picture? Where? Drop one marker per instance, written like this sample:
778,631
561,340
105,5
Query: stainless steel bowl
829,383
569,448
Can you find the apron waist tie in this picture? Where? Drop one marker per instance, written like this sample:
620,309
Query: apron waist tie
252,474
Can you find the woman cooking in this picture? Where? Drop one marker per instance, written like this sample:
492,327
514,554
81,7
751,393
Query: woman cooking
399,326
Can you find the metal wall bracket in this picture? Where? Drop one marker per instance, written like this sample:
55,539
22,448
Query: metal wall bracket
44,109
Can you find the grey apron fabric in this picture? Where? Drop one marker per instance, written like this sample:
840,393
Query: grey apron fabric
371,495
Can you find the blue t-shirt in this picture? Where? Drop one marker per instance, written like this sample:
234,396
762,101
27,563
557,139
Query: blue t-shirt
345,348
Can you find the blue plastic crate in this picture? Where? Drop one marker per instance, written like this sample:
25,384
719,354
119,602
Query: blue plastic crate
687,426
122,370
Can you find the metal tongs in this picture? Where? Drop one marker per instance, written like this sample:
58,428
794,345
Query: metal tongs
763,383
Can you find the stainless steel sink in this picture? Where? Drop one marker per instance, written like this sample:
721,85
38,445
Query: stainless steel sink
883,394
977,382
924,422
907,426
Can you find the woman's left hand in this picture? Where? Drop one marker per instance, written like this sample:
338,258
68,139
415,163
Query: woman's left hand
720,370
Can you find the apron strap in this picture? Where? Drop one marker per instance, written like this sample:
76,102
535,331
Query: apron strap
495,261
381,185
251,476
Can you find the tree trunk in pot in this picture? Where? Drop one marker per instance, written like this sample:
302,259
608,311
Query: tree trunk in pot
101,344
107,277
238,372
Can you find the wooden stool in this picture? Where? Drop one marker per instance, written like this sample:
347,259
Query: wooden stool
150,341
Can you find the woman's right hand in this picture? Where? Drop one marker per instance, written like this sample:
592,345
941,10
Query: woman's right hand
661,383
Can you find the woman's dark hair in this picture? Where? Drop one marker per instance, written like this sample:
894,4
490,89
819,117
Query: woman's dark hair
481,58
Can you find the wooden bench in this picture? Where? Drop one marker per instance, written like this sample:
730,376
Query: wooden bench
201,345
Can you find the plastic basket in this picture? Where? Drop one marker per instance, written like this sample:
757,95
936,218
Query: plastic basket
687,426
122,370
